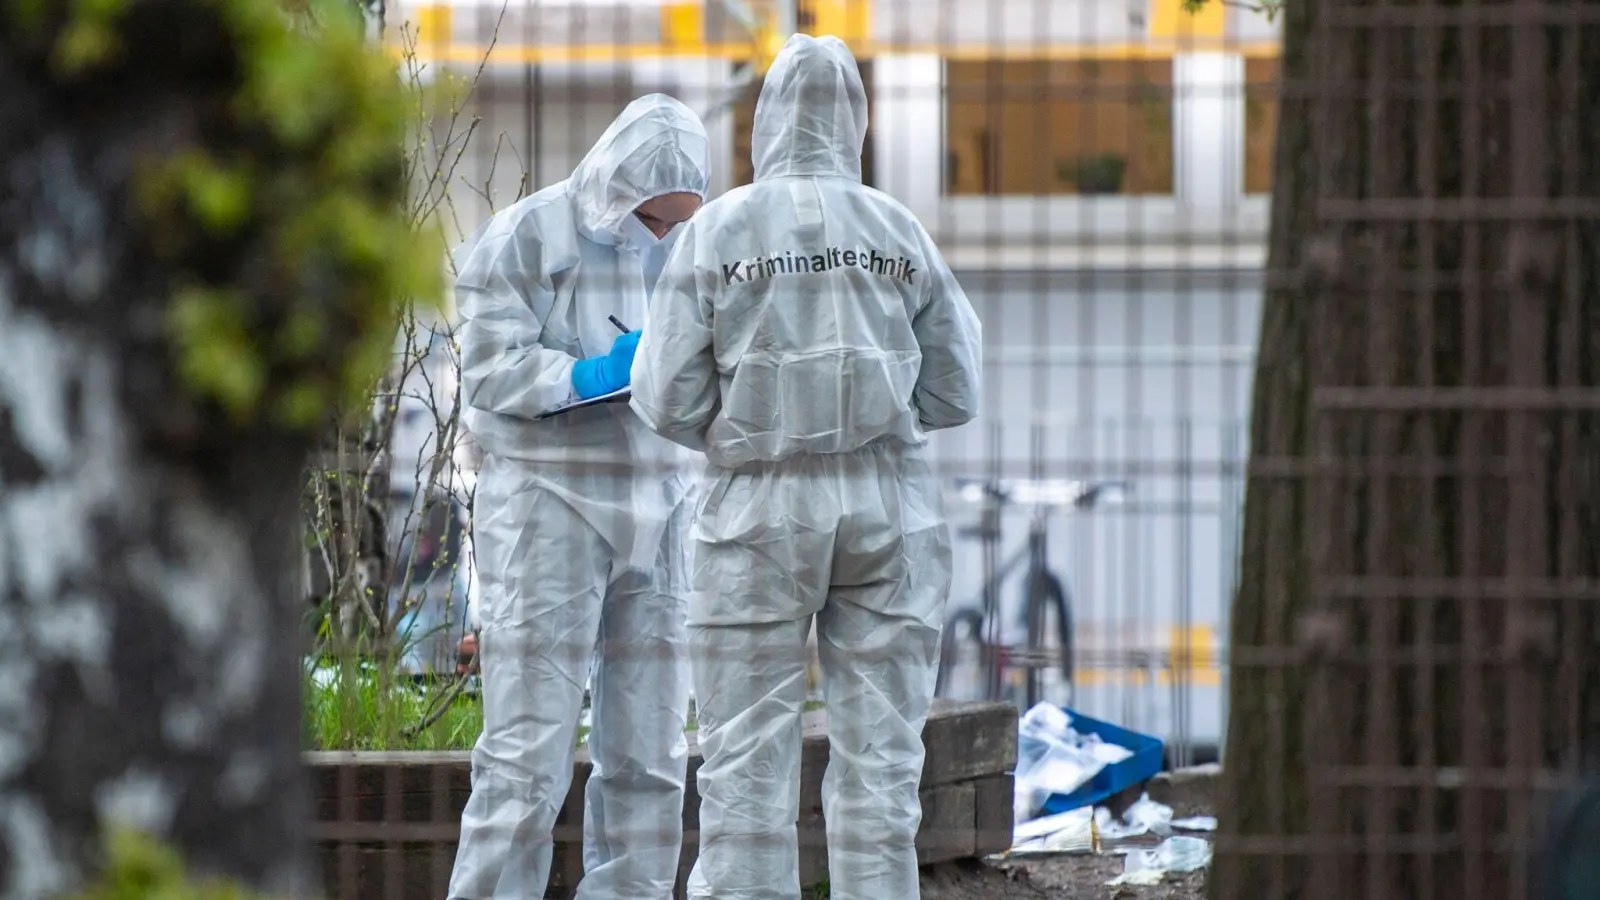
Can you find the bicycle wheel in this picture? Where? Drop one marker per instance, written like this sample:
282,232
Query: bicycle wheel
961,651
1046,595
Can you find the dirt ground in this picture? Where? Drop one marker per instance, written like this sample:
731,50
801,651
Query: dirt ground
1190,792
1077,877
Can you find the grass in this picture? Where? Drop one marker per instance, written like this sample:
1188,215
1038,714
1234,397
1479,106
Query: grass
379,716
383,714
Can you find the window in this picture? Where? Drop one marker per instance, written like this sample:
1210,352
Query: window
1260,122
1058,127
744,118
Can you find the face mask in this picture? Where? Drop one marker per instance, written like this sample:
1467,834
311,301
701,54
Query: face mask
635,234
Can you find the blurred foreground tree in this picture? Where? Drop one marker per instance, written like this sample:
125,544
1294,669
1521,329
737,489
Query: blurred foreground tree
1414,646
201,249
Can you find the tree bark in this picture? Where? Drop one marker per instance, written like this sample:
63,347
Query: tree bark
1262,793
147,595
1415,653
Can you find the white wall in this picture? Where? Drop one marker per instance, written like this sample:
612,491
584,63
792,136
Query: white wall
1208,133
534,126
907,130
537,122
1117,375
1014,22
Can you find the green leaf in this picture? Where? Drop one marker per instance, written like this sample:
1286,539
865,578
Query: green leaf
216,354
303,405
219,198
84,44
141,867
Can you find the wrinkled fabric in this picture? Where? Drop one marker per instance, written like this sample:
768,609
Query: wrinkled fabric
656,146
578,534
535,286
806,313
806,334
859,542
555,613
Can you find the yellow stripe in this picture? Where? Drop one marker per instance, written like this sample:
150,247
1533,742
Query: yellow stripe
1168,19
683,24
1131,677
1208,677
1191,651
433,24
847,20
1195,665
464,53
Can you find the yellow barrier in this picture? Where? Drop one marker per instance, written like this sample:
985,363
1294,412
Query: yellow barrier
1191,658
1170,21
683,36
683,24
848,20
433,24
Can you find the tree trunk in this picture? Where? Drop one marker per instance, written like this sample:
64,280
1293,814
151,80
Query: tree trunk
1415,653
146,569
1263,791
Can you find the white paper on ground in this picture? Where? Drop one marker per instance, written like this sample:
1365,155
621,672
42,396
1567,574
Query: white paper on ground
1179,854
1068,832
1144,817
1141,877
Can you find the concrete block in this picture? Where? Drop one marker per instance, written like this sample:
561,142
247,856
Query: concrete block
1190,792
386,824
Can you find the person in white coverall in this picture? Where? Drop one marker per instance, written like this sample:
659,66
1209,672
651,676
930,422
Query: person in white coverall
579,522
807,335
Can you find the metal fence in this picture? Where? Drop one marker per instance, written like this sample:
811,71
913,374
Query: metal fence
1415,637
1409,582
1096,175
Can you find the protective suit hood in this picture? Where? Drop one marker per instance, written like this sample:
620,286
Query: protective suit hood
811,118
656,146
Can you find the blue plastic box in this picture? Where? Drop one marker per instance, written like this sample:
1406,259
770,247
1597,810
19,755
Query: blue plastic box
1146,761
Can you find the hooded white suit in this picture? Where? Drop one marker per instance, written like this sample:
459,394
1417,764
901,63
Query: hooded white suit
579,528
806,334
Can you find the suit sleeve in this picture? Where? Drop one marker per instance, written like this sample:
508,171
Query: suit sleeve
675,379
502,297
951,341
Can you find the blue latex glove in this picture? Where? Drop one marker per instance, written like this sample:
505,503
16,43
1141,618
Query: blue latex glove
603,374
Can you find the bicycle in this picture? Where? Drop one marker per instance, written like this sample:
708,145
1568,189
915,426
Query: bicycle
1044,591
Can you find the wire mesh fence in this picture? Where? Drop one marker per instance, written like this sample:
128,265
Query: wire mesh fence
1096,177
1403,371
1095,174
1417,565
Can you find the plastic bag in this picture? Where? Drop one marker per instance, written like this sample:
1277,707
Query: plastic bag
1179,854
1144,817
1069,832
1054,759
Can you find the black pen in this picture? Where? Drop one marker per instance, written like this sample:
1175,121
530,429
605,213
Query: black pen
617,322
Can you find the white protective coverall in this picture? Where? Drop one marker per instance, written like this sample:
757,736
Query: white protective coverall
580,529
806,334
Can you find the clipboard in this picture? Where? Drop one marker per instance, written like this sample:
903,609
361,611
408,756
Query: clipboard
621,395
